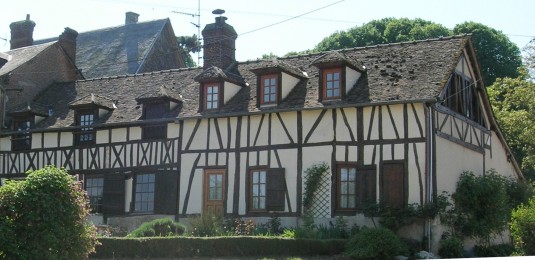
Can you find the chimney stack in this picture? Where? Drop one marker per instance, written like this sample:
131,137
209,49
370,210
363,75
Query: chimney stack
67,40
219,43
22,33
131,18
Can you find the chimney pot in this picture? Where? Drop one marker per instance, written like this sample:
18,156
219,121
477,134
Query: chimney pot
131,18
22,33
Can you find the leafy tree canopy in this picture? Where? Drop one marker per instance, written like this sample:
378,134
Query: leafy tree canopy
187,45
498,56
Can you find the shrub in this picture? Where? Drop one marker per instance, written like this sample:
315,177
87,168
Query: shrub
44,217
494,250
451,247
162,227
374,243
207,225
523,228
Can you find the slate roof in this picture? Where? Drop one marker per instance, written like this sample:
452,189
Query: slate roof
116,50
401,72
20,56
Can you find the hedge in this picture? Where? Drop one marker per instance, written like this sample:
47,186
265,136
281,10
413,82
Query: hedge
178,247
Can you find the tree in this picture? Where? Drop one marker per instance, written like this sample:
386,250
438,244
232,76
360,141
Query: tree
497,55
187,45
513,103
45,217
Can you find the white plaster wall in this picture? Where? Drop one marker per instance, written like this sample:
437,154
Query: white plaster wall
278,135
199,139
103,137
496,158
414,130
66,139
416,170
36,140
230,90
254,126
231,174
467,69
5,144
128,186
195,199
388,124
289,163
367,116
50,140
135,133
343,133
288,83
352,76
324,130
118,135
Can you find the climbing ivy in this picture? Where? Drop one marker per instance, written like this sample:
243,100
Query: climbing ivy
314,175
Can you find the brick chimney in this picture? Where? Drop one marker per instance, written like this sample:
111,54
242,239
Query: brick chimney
22,33
131,18
67,40
219,43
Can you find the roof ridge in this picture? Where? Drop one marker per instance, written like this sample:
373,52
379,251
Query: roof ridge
140,74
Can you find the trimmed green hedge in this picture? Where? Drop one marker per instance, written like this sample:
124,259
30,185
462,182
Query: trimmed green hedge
178,247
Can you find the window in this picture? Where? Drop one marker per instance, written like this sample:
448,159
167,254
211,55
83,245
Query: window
258,190
211,93
23,140
155,111
144,193
268,89
332,86
267,190
214,191
461,97
86,135
393,184
95,188
354,187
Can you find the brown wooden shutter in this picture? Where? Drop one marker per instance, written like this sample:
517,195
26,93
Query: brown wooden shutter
393,188
366,187
113,194
165,193
275,189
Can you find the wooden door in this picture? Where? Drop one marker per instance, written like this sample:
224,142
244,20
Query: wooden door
214,191
393,189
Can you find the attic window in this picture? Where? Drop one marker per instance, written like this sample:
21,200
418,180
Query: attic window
23,140
86,134
155,110
461,97
332,83
211,96
268,89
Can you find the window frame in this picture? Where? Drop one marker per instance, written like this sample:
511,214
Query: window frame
100,204
154,131
251,185
362,193
85,131
22,141
275,196
205,96
135,191
275,86
324,80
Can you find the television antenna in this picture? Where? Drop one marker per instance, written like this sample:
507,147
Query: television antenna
198,25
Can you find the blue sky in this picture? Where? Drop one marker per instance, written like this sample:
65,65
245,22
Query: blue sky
260,24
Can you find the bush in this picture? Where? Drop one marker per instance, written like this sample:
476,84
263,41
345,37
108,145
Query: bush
451,247
207,225
494,250
220,247
44,217
162,227
523,228
375,243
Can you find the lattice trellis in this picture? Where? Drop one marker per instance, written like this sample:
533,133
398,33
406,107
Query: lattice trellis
321,206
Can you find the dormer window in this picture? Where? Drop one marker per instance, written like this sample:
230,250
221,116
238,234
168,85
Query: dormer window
23,140
211,96
268,89
154,110
86,134
332,82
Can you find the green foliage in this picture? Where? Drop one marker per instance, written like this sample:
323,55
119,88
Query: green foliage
513,103
186,45
44,217
523,228
481,206
374,243
395,218
494,250
207,225
451,247
314,175
498,56
162,227
210,247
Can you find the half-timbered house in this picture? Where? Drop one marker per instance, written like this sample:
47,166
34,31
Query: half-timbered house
396,123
